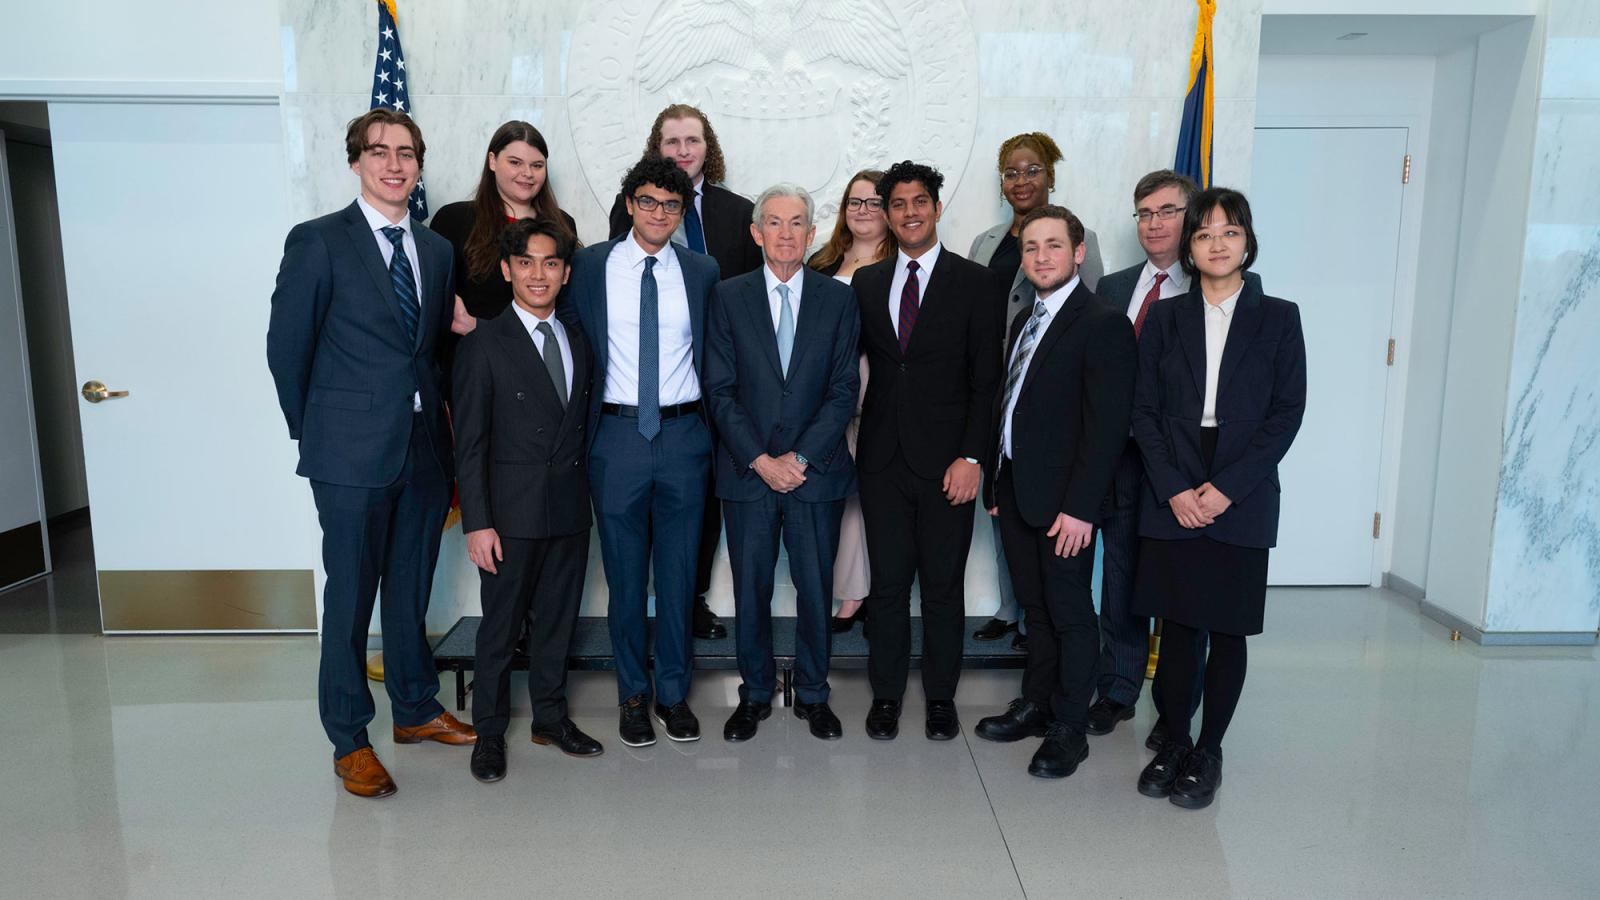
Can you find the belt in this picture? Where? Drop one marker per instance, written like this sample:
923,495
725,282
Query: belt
667,412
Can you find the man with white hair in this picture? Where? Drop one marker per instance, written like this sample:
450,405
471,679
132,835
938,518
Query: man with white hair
781,376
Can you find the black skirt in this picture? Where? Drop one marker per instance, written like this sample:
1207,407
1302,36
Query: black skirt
1200,582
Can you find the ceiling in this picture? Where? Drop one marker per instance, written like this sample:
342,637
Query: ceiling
1283,35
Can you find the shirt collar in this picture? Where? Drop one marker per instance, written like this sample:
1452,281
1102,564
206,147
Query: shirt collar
925,262
1175,274
1226,306
376,220
531,321
666,258
1055,301
793,282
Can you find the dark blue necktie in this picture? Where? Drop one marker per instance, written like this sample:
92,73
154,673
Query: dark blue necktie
649,354
405,284
691,228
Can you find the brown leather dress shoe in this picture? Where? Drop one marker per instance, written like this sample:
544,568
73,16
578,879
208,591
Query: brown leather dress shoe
363,775
444,728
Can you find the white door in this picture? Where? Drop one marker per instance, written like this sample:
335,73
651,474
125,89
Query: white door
172,224
1326,203
24,547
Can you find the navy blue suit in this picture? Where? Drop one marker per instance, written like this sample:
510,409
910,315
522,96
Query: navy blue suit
346,376
649,496
758,409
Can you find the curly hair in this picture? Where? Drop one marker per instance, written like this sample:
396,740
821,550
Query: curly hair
907,171
716,168
655,169
1037,141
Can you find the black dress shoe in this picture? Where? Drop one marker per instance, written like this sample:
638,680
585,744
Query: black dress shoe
706,626
994,630
1023,718
1157,778
741,726
883,720
1158,735
679,721
1058,756
824,724
1198,780
942,723
1020,642
842,624
566,735
634,722
1105,714
489,758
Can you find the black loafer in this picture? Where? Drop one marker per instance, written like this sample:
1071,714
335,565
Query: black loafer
741,726
883,720
1157,778
568,737
824,724
489,758
633,725
1058,756
994,630
706,626
841,624
1021,719
1157,737
679,721
942,723
1105,714
1198,780
1020,642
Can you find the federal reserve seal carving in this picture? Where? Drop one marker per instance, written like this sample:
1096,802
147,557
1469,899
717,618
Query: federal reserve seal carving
808,91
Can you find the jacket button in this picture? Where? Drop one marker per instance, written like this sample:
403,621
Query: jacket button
540,430
574,464
780,428
520,395
548,463
902,367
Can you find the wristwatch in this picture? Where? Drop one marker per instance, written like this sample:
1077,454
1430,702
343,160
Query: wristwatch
970,460
801,459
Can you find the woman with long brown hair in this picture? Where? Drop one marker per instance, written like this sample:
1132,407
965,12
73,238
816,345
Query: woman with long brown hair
860,237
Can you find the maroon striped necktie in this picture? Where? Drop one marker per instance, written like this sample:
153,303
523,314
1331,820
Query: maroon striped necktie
910,302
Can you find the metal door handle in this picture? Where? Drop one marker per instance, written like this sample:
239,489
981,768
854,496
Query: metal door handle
95,391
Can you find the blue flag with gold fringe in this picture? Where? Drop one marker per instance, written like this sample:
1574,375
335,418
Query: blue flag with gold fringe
389,86
1194,136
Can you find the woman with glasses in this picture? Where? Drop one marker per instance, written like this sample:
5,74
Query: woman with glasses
1221,393
860,237
1027,165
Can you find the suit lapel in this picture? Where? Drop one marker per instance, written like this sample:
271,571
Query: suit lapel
874,289
759,317
696,289
366,247
438,251
932,292
525,356
1241,331
595,300
1059,323
576,410
1191,319
809,318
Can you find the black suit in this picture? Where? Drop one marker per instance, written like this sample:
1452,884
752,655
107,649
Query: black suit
348,378
725,218
1068,426
524,473
924,409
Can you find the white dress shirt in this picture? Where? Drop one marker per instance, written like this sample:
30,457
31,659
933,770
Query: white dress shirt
377,222
1177,283
775,303
531,322
1218,318
1052,305
925,264
675,356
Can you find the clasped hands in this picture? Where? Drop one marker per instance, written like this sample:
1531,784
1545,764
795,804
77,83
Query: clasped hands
781,473
1199,507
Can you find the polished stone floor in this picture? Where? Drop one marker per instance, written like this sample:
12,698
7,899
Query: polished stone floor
1371,757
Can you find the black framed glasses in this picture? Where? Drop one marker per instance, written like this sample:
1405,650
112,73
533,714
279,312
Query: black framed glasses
649,204
1164,214
855,203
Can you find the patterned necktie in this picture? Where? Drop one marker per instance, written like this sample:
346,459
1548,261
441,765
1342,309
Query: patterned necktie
1144,308
910,302
692,228
785,328
1030,336
405,284
553,362
649,354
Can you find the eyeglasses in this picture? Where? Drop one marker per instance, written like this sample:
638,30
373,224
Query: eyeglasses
1031,173
649,204
855,203
1164,214
1229,234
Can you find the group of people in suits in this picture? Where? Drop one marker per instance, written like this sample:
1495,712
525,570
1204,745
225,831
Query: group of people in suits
696,369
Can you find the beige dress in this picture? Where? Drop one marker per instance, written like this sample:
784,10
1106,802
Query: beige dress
851,577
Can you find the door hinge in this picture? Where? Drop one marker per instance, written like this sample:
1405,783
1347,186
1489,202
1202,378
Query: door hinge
1377,522
1405,171
1389,361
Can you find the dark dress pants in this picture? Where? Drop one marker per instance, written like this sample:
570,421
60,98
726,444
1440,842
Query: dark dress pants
914,533
380,540
539,586
1055,596
810,532
648,500
1124,635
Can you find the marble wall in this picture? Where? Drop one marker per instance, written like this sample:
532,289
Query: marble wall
801,91
1545,566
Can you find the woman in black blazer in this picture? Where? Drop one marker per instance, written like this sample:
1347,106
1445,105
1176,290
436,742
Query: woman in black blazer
1221,392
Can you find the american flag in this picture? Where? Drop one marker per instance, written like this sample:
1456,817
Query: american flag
389,86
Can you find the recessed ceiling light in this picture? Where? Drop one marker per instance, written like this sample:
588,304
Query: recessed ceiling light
1352,36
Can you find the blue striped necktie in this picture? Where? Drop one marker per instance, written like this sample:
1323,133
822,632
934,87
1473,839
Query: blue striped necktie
649,354
405,283
1025,344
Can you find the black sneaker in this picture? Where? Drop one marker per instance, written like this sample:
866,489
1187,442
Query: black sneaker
633,726
679,721
1158,777
1198,779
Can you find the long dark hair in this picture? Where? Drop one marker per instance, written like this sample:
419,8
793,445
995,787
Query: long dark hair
489,210
842,238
